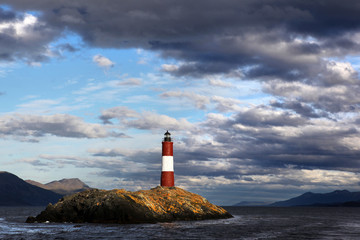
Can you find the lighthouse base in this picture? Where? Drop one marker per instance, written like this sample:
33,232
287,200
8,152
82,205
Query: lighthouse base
167,179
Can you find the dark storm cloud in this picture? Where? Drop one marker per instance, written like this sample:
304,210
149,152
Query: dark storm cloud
300,108
325,18
6,15
23,36
214,36
277,142
319,100
291,41
313,17
272,39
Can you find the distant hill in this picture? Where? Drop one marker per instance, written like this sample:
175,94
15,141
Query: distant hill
16,192
336,198
64,186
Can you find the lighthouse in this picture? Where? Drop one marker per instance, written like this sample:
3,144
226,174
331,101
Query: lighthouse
167,169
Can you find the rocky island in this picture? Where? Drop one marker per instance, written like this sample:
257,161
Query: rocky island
160,204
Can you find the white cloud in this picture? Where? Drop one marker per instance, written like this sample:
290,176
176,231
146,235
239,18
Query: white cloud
220,83
342,72
131,81
27,38
200,101
47,106
150,120
102,61
226,104
169,67
351,142
40,105
119,113
106,90
90,87
62,125
35,64
144,120
22,28
216,118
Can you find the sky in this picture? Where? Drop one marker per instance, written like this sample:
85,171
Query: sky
262,98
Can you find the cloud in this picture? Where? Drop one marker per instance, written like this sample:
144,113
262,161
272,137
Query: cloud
103,62
341,73
131,82
219,83
332,99
95,92
263,116
117,112
261,41
61,125
145,120
169,68
200,101
39,105
303,109
47,106
226,104
274,138
25,37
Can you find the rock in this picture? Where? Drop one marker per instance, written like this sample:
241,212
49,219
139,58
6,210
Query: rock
160,204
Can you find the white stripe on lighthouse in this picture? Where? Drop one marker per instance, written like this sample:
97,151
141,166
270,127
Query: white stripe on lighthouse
167,164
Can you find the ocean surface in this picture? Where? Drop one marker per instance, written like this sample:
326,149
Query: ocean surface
248,223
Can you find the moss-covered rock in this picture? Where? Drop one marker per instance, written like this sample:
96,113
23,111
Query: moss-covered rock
160,204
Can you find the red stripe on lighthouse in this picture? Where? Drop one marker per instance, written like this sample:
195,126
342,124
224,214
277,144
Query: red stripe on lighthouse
167,149
167,169
167,179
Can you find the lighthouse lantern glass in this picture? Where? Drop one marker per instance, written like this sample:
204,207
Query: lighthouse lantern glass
167,137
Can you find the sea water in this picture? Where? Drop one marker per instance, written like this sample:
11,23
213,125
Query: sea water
248,223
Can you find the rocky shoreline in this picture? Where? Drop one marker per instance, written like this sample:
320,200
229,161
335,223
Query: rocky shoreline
160,204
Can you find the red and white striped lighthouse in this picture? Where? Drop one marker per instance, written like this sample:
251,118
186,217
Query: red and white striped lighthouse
167,170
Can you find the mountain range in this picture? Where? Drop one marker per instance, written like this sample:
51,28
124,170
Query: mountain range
64,187
335,198
16,192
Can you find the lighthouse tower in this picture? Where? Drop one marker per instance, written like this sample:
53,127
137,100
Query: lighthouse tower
167,171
